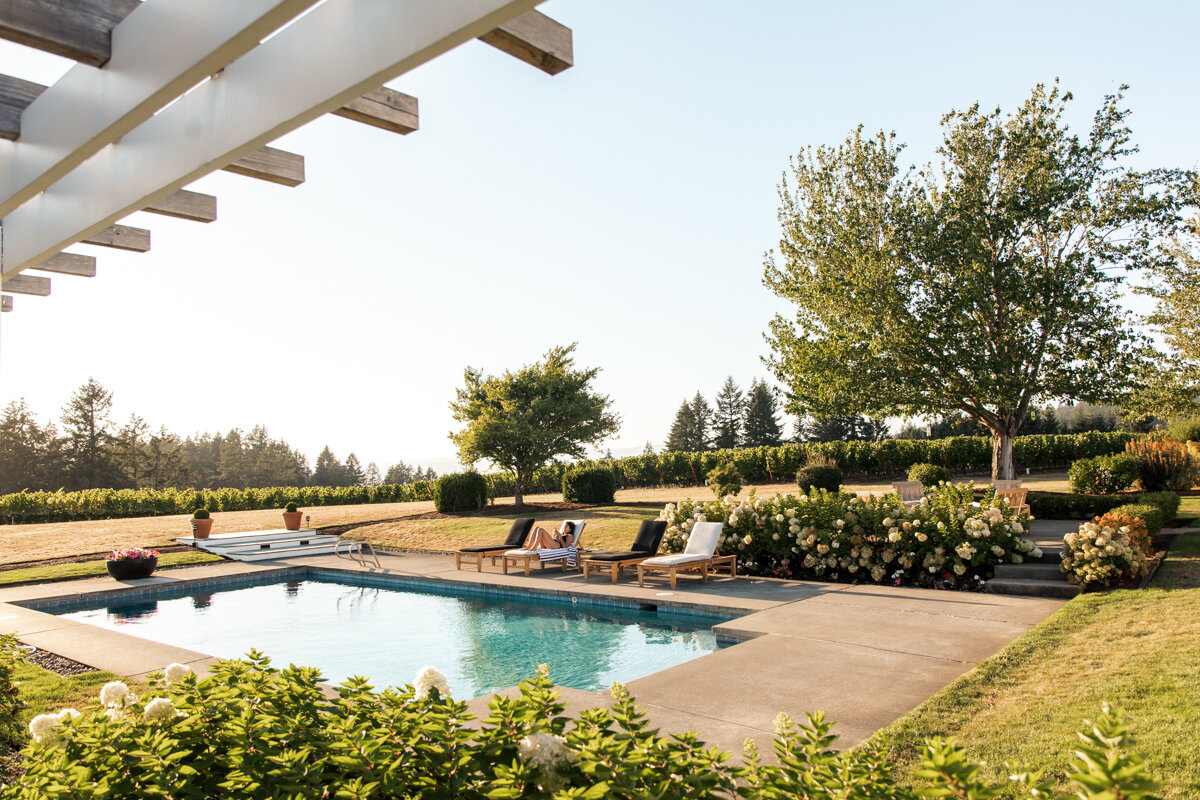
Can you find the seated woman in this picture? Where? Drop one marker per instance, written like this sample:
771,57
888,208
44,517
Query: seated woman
541,539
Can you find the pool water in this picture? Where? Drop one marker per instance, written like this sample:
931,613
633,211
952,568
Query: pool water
388,634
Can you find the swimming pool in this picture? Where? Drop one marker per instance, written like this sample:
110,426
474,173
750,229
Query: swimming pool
387,630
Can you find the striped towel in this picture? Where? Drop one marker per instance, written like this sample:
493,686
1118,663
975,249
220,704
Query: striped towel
570,553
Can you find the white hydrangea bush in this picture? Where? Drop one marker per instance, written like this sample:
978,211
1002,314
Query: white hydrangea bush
950,540
1102,555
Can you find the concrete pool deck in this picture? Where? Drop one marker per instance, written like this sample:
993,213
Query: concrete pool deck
863,654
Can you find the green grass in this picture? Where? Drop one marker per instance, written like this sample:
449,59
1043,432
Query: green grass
45,692
1190,509
90,569
1139,650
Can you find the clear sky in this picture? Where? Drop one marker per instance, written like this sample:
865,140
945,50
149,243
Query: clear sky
624,204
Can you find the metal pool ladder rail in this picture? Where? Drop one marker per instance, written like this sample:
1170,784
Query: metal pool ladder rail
355,552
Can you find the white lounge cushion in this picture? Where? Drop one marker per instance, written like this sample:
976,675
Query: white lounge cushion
703,539
676,560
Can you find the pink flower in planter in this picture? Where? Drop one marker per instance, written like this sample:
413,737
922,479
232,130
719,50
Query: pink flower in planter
131,554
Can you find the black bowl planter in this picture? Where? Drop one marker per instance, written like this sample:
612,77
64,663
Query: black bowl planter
132,568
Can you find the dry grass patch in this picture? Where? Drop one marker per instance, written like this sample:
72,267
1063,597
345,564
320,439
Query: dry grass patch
1136,649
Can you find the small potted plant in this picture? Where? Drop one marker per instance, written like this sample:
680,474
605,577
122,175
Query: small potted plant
291,517
201,523
136,562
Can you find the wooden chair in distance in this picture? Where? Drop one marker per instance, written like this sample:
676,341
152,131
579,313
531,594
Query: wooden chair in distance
698,555
524,558
1015,498
645,545
516,537
911,492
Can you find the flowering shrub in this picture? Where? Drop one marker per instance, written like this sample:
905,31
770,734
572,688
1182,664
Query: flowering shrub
250,731
1135,527
1101,555
945,541
131,554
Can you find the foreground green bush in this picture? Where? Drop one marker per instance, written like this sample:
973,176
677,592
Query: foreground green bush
460,491
1103,474
250,731
589,485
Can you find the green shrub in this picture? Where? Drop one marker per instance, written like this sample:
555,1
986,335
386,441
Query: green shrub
1186,429
1103,474
820,476
1167,501
589,485
250,731
930,475
460,491
725,480
290,508
12,732
200,513
1061,505
1151,514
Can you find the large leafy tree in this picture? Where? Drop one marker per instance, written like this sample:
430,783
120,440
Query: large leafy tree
521,420
978,287
1172,385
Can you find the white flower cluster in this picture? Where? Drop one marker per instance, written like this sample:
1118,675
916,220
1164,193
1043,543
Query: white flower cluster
548,754
44,728
1101,555
175,671
838,535
431,678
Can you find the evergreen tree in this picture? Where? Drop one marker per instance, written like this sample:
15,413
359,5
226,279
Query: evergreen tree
838,428
761,423
608,454
702,413
231,461
728,422
26,449
648,450
400,473
372,477
872,429
684,436
355,476
328,471
129,452
86,425
164,461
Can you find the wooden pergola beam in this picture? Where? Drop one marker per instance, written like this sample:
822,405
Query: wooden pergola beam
70,264
121,237
535,39
270,164
15,97
383,108
187,205
28,284
80,30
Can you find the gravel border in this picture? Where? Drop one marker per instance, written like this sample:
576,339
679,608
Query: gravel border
58,664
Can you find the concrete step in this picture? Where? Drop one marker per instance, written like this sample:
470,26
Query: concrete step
1031,587
224,539
1037,570
284,552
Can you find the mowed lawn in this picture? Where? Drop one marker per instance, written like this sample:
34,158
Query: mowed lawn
1138,650
20,543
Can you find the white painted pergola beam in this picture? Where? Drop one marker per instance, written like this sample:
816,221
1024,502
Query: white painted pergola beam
162,49
340,51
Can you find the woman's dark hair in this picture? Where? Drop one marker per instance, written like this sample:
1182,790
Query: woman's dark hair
568,526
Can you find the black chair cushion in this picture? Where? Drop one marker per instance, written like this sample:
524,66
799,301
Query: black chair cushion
518,532
619,556
487,548
650,535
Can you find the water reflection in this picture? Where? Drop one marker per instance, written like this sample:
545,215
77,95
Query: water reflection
131,612
201,601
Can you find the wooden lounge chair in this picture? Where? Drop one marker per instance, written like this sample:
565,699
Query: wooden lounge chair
911,492
645,545
516,537
697,555
563,556
1015,498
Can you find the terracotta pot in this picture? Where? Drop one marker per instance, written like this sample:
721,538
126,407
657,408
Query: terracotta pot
201,527
133,567
291,520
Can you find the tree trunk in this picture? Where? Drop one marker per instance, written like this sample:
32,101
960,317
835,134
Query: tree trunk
1002,455
518,496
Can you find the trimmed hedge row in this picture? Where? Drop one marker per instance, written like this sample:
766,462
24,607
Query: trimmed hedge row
32,507
890,457
1053,505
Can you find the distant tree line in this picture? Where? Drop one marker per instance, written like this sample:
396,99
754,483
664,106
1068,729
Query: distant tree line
740,419
87,450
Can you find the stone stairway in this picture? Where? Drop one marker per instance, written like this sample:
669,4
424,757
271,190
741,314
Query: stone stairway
263,545
1041,578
